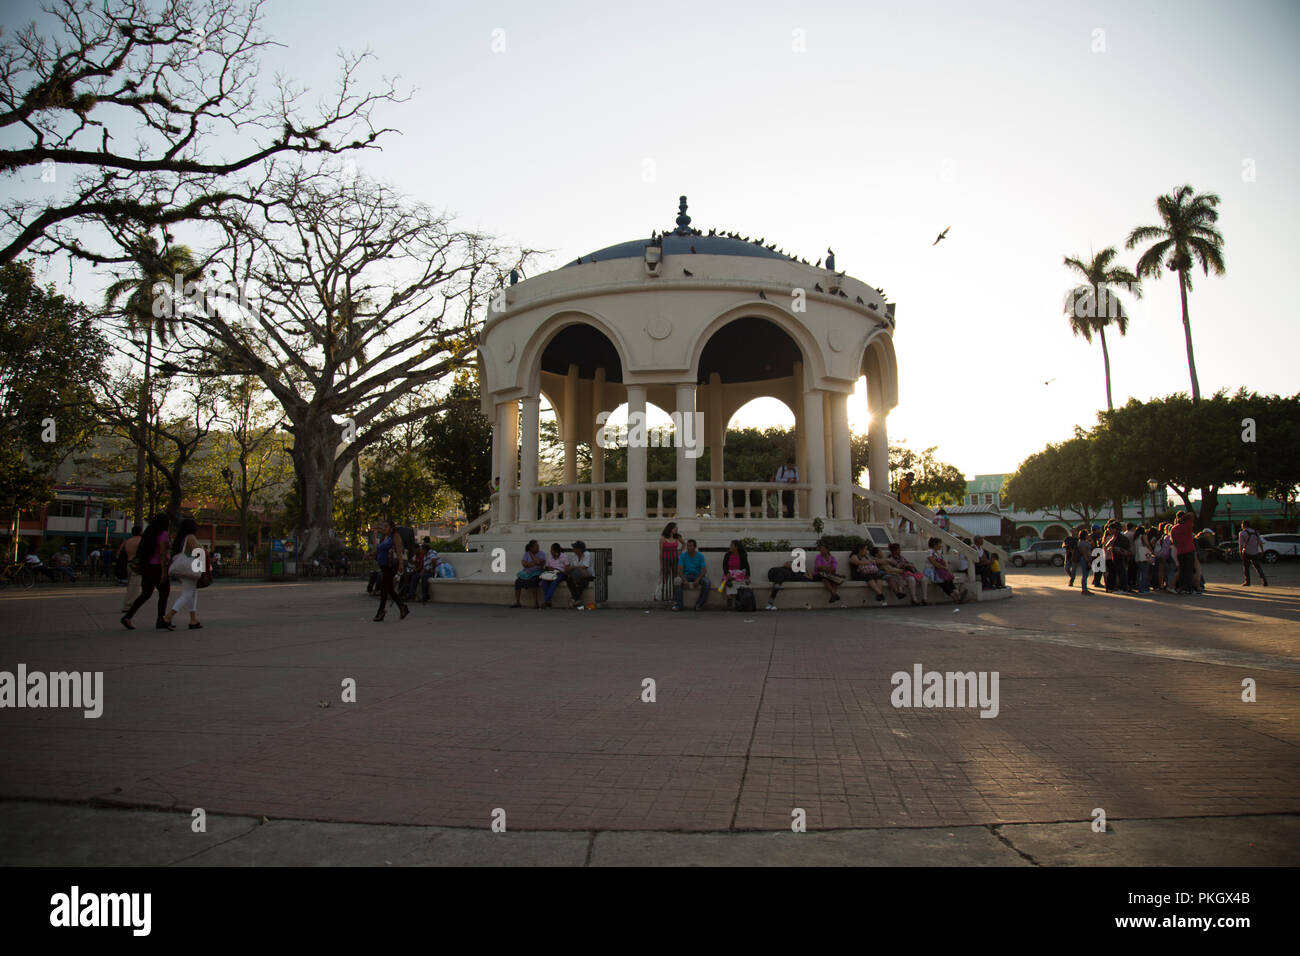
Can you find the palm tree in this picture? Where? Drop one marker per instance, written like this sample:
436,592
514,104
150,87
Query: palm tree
147,308
1187,231
1092,307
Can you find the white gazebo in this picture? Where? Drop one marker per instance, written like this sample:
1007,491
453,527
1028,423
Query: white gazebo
697,324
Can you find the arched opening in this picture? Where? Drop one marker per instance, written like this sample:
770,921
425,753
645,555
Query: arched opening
1054,532
748,349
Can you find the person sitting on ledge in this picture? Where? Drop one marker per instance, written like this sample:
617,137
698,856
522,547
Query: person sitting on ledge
579,570
825,570
864,566
692,574
533,563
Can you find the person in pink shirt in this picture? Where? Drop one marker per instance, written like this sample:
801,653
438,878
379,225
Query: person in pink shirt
1183,536
153,557
826,571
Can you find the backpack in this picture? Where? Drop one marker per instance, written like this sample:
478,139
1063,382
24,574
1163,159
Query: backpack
445,570
744,600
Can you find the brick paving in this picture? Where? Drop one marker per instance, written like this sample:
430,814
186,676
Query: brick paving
1132,705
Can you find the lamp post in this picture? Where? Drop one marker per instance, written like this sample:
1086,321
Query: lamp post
1228,505
1152,486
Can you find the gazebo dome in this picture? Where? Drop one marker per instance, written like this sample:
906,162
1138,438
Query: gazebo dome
683,241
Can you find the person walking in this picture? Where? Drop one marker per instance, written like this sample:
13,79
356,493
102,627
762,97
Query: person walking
125,569
1251,549
182,566
389,554
151,559
1083,556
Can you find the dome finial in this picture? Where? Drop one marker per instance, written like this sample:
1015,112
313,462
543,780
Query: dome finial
683,220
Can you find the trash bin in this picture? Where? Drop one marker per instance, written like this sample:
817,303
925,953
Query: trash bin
602,560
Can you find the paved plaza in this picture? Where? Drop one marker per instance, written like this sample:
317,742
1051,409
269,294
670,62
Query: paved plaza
465,714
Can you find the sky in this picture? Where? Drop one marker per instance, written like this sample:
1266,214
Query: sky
1034,130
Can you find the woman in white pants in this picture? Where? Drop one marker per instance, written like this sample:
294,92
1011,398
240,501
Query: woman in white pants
183,567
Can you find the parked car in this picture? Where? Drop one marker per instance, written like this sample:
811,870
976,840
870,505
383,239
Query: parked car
1280,546
1041,552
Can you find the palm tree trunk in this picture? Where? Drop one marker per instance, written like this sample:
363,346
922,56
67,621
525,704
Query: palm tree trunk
1105,357
1187,332
144,427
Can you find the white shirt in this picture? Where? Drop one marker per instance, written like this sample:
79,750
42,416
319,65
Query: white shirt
787,473
571,560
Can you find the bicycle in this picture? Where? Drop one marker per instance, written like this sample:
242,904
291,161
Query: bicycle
18,574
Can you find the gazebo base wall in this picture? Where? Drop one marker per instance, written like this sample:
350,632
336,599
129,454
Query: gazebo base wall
635,567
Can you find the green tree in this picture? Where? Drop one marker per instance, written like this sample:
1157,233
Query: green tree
1186,233
50,357
458,446
1091,308
1062,480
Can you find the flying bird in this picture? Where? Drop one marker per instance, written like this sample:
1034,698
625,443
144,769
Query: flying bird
1049,381
942,235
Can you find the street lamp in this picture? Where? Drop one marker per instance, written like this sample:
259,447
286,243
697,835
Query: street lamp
385,499
1153,486
1228,505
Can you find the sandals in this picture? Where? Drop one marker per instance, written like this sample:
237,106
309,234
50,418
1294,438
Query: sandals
164,626
196,627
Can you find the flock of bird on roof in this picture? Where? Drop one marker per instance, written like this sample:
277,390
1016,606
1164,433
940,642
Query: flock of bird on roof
657,239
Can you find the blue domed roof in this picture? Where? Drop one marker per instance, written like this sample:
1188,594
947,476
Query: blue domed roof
683,241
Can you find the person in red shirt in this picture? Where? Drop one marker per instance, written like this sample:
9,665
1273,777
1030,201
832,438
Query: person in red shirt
1184,543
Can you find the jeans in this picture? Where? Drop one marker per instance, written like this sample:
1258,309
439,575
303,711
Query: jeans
1085,564
1246,561
1186,572
1144,576
703,581
549,587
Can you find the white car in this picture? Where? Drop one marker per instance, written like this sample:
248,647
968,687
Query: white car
1279,546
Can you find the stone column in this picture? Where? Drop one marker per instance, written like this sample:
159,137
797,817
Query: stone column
636,456
498,440
717,430
815,439
528,459
877,445
842,452
570,440
509,463
827,447
597,452
800,437
686,463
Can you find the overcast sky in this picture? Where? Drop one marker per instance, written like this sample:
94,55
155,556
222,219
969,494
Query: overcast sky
1034,130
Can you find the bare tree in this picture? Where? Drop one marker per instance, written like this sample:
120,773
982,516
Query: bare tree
131,99
359,298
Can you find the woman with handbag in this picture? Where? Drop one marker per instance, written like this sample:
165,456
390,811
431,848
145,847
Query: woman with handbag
553,569
183,566
150,562
533,564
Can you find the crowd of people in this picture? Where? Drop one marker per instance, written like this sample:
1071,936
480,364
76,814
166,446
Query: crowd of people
1135,559
683,567
542,573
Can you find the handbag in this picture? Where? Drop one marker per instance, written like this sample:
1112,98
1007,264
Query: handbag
550,575
831,576
205,576
182,566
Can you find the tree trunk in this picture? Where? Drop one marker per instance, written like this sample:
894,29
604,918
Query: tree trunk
144,428
314,444
1187,333
1209,505
1105,357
